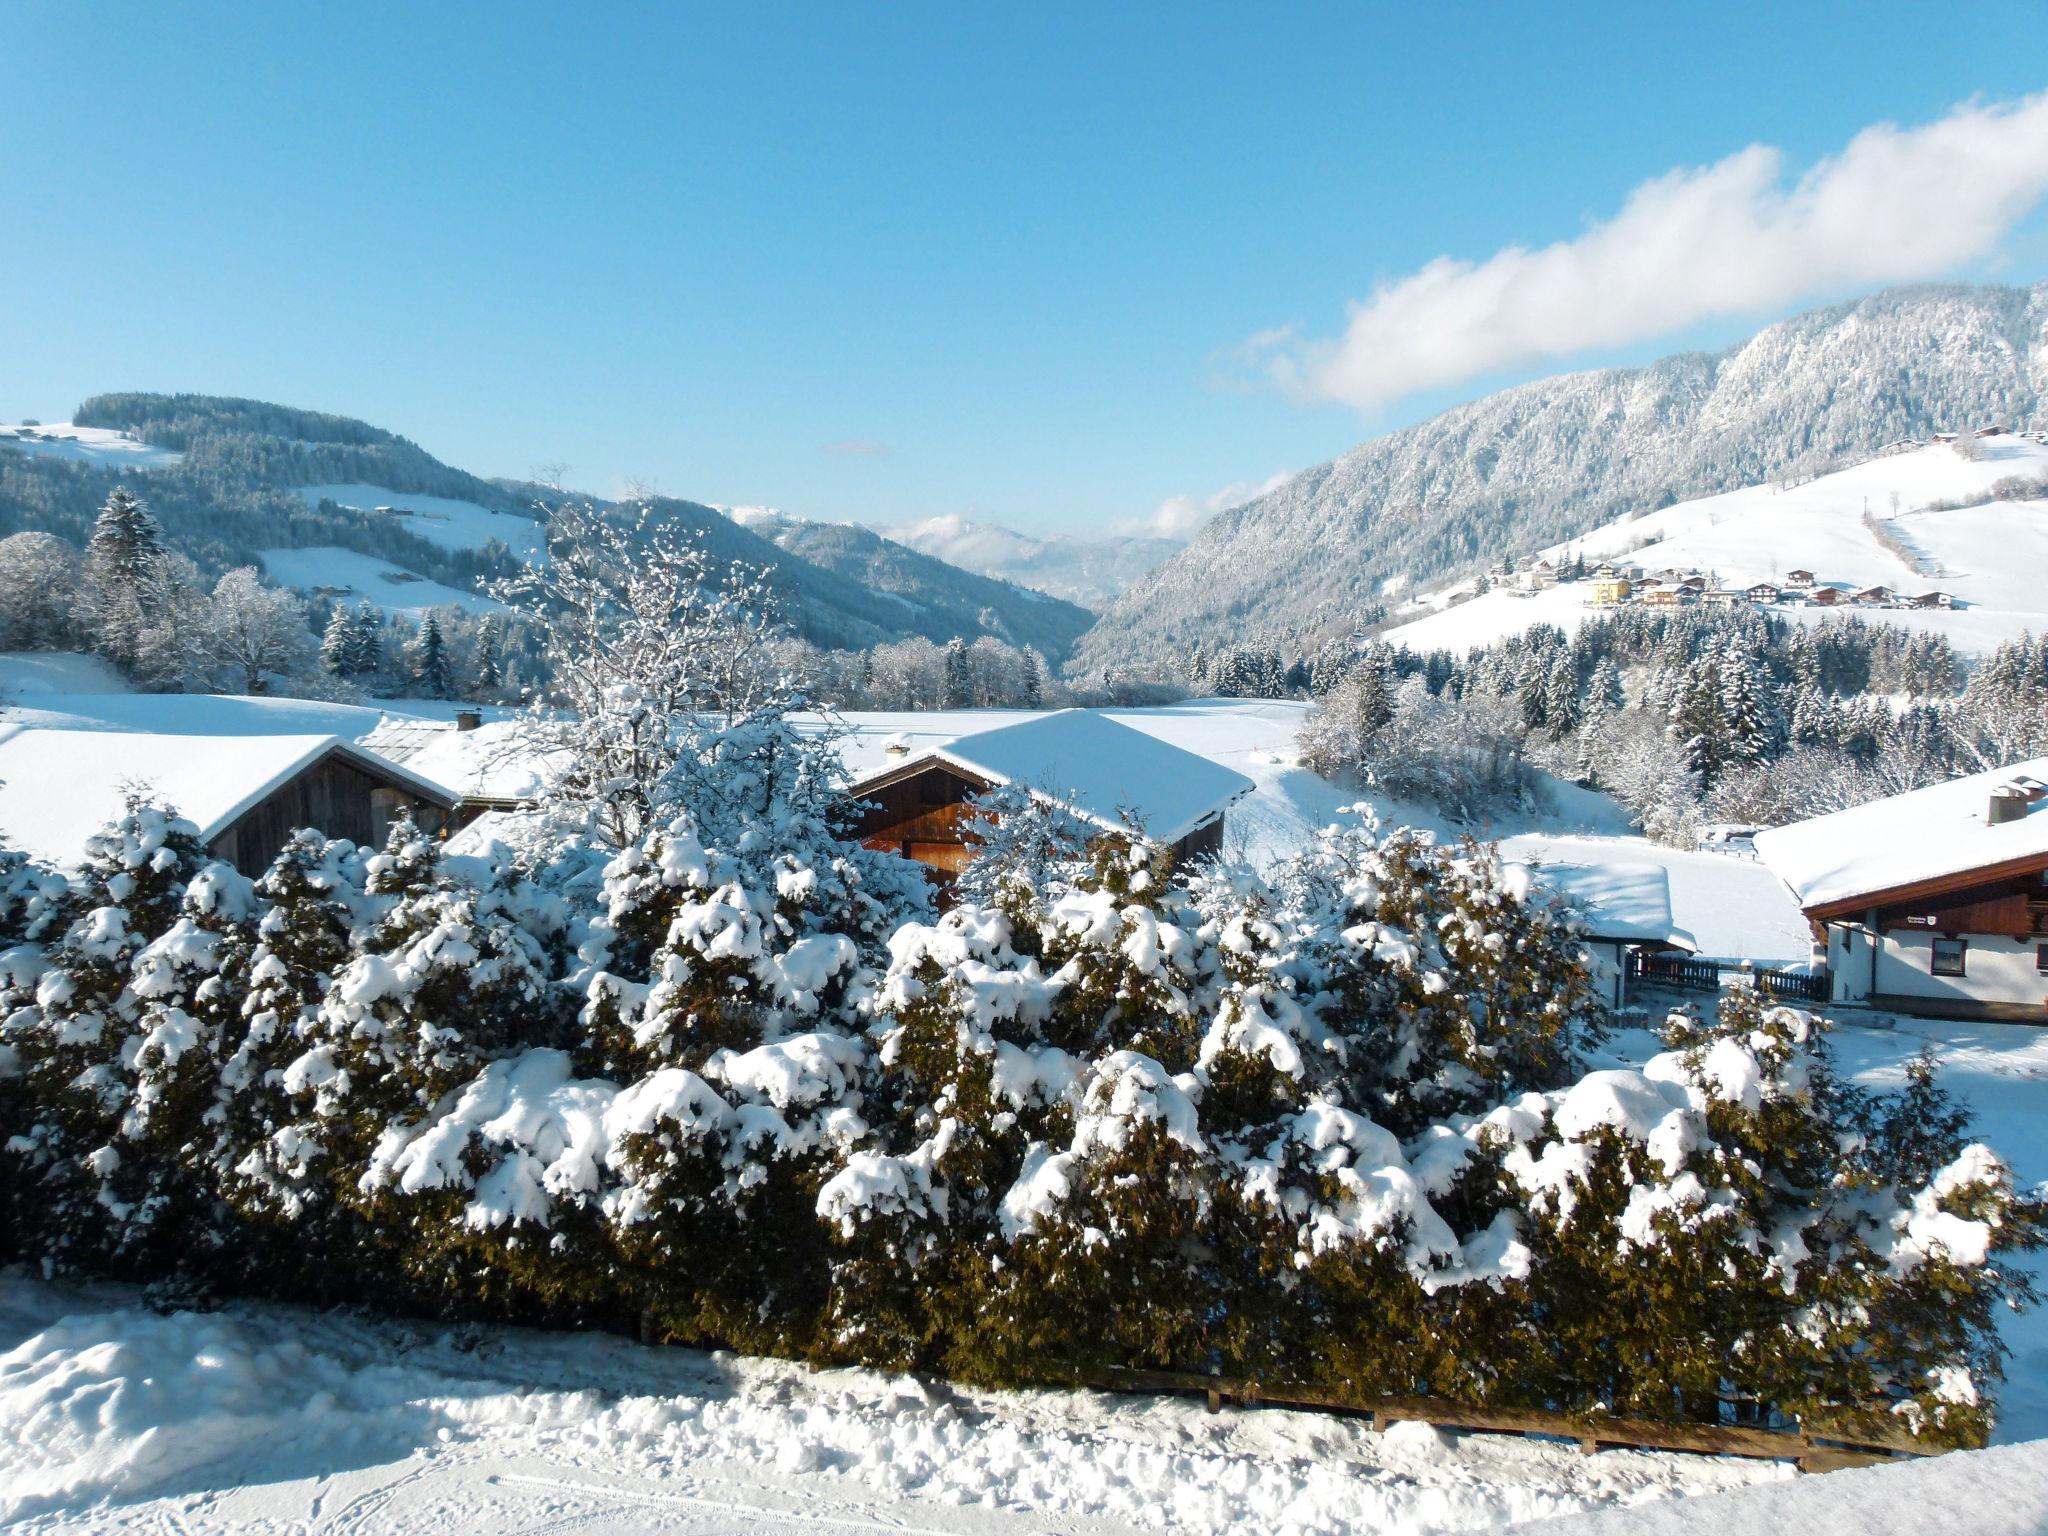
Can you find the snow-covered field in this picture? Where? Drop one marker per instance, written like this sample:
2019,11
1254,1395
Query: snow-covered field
262,1418
352,576
266,1418
1992,556
88,445
438,519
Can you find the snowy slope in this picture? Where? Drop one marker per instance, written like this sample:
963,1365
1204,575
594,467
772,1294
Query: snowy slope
438,519
100,446
24,674
1992,556
347,576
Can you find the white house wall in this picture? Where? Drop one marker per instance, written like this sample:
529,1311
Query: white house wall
1996,969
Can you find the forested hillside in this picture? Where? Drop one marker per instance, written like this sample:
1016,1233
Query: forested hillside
1545,461
232,496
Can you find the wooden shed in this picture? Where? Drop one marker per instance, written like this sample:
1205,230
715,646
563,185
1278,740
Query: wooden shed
1105,774
245,794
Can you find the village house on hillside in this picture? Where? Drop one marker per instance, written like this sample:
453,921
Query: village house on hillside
1931,902
245,794
1106,774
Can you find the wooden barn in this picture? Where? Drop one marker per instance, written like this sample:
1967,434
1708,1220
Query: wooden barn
245,794
1107,775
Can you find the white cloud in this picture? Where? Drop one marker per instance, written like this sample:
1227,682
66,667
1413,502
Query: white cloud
1178,517
1896,205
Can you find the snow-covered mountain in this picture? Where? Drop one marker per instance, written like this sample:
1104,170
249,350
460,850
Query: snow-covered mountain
934,597
1544,461
1091,572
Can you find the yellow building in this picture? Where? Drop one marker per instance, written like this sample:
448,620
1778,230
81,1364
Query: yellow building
1610,590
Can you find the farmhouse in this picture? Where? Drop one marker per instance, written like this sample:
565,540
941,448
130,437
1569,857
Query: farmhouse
1824,597
1610,587
1799,579
1874,597
246,794
1106,774
1932,902
1763,592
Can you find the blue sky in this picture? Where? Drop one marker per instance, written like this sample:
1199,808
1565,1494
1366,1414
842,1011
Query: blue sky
873,262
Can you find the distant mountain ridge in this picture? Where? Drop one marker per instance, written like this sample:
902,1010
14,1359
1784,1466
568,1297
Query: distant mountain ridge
1092,572
1545,461
233,496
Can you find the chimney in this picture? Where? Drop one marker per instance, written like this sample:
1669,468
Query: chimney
2011,801
468,719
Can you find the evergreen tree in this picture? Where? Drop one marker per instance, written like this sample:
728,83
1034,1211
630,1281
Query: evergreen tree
1033,681
428,656
366,647
1752,726
957,685
338,644
124,576
490,677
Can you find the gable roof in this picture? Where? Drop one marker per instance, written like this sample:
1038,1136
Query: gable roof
1893,846
1624,902
490,762
58,787
1095,767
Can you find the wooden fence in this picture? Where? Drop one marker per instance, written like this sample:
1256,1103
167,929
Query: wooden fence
1809,1444
1705,976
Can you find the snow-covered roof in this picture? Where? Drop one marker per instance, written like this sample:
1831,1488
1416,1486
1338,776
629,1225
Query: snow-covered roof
1629,902
58,787
492,761
1096,768
1906,840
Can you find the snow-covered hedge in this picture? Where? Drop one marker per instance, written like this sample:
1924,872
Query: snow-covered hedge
1336,1127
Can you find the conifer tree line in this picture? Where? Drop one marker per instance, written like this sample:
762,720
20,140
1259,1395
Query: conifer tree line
1329,1128
1687,718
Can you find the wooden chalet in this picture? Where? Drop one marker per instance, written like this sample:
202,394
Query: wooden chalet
1800,579
245,794
1107,775
1763,592
1824,597
1933,902
1873,597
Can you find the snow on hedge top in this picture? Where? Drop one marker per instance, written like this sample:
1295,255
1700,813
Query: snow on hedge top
1618,901
59,787
1926,834
89,445
1100,770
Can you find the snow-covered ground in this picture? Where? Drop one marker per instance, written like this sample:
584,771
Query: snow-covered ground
267,1418
438,519
348,576
262,1418
24,674
1992,556
88,445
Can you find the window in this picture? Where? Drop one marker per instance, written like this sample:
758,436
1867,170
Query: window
2041,959
1948,956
